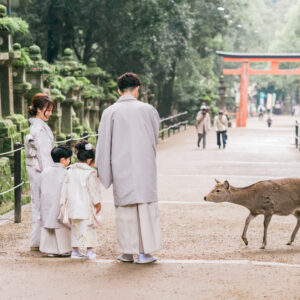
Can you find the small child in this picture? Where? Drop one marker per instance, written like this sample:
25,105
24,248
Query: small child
81,193
55,237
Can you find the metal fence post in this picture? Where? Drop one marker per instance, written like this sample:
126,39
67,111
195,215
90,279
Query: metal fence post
85,135
297,130
17,182
69,142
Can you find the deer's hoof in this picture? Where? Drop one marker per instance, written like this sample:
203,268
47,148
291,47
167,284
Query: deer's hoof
262,247
245,241
289,243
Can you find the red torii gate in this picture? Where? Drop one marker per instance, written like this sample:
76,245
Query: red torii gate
245,71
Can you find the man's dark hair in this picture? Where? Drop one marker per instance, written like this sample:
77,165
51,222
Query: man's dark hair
62,151
128,81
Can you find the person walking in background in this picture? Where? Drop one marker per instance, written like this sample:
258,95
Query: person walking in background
269,121
38,145
221,124
202,125
261,110
126,158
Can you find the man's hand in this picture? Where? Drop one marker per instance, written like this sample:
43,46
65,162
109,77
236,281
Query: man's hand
98,208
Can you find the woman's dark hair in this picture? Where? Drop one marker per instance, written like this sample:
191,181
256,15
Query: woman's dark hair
83,154
40,101
128,81
62,151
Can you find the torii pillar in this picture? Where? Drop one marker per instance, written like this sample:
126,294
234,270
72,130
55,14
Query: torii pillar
241,115
245,71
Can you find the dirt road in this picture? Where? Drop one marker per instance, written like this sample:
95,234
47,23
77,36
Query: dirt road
203,256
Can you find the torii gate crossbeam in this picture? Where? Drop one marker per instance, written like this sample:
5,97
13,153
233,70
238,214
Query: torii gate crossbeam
245,71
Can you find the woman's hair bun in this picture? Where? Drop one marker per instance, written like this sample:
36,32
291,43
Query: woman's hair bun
32,111
81,146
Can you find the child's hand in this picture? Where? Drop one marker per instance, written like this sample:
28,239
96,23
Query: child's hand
98,208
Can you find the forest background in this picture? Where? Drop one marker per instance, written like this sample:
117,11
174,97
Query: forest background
171,44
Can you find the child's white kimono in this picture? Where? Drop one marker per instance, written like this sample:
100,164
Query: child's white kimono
55,237
81,191
38,146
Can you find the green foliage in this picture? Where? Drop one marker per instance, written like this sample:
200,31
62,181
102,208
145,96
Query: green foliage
93,92
93,70
12,25
68,65
69,83
3,11
38,64
170,44
56,95
54,81
6,181
25,60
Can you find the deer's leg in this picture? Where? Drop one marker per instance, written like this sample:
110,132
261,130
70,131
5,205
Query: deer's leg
248,220
297,215
266,224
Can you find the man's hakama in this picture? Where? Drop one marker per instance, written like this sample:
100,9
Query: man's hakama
138,228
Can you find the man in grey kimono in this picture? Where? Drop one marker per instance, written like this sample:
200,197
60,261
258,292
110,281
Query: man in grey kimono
126,158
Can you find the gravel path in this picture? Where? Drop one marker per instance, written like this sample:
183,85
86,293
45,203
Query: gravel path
197,236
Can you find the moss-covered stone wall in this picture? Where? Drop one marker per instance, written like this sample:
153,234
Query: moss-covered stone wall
6,180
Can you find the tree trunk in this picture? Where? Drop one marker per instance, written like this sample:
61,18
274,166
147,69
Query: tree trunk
68,32
54,31
165,94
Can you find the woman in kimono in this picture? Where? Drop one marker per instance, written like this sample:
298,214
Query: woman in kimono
55,236
38,146
81,195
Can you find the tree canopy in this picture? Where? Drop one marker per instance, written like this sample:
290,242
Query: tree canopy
171,44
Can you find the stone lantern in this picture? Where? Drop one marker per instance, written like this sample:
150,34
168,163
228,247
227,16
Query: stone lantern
93,72
7,57
92,96
93,103
71,88
8,130
72,85
55,120
35,73
20,85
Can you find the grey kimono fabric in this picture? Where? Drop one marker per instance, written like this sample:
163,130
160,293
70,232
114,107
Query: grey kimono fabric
51,181
126,151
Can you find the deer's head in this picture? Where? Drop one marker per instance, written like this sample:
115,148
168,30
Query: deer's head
220,193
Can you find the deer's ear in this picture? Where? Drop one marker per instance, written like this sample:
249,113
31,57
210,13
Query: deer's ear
226,184
217,181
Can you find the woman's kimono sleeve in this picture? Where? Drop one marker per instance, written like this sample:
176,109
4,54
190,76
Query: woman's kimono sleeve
44,147
94,189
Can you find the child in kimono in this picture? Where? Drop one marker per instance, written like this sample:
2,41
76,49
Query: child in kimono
55,237
81,193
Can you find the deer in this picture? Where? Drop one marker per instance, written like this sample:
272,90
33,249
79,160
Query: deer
269,197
